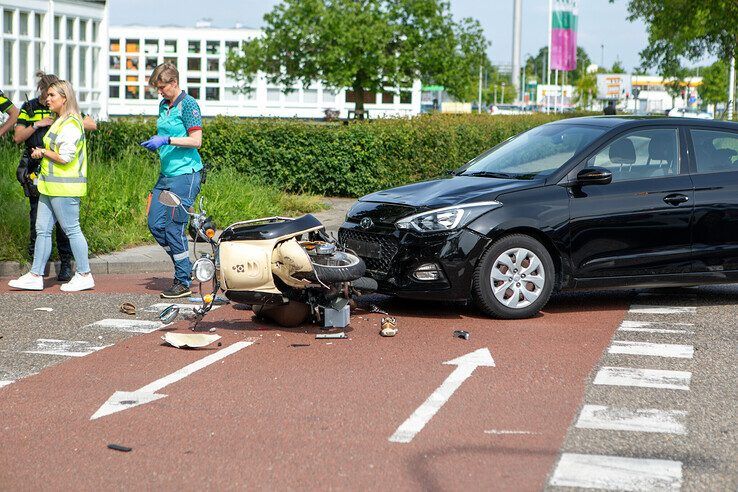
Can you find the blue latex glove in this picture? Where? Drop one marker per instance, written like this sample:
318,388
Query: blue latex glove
155,142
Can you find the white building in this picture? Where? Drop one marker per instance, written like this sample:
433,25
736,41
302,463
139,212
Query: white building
65,37
200,54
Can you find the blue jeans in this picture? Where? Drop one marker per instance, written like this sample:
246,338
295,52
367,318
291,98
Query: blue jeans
168,225
64,209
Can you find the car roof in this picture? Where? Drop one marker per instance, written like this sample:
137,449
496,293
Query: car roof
628,121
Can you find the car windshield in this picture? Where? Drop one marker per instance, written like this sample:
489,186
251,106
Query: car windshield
537,152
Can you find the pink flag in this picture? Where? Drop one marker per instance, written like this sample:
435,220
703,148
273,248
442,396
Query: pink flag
564,35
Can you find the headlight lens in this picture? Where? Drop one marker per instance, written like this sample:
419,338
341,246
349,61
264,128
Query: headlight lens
447,218
204,269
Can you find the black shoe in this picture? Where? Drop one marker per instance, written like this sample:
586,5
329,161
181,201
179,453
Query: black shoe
65,272
177,290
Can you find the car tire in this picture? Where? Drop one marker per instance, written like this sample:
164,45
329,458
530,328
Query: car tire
514,278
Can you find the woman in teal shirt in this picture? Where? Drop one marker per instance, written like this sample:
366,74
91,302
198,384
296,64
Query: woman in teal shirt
178,136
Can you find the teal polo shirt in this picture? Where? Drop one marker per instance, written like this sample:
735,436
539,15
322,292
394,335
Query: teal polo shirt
179,120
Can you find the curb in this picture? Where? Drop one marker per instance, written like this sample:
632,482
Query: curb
97,266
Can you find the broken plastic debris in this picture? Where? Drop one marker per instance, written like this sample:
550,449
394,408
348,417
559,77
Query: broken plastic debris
189,340
168,314
118,447
340,334
212,330
389,327
461,334
48,310
373,308
128,308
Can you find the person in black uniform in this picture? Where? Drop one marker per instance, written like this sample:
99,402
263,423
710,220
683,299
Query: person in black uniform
34,121
610,109
7,107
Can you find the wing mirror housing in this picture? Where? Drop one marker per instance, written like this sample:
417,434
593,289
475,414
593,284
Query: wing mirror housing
594,176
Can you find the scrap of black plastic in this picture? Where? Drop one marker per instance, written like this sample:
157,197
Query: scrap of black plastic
461,334
118,447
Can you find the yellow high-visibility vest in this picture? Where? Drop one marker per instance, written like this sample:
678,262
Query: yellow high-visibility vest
68,179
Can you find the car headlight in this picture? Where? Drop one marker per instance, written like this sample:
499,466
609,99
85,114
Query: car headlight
447,218
204,269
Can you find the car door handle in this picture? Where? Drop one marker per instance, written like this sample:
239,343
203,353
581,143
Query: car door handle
676,198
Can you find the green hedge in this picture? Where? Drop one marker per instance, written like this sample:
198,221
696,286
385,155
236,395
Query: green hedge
333,159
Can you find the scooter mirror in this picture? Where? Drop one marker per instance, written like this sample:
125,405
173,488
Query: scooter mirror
169,199
168,314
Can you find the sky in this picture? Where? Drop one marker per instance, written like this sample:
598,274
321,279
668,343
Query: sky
604,31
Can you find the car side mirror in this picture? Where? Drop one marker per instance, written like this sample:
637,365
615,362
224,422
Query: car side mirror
594,176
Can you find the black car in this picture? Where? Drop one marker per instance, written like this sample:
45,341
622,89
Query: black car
598,202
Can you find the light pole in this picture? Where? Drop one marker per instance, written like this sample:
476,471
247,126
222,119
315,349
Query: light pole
503,94
602,55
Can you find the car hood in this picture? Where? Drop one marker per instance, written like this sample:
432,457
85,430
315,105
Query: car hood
449,191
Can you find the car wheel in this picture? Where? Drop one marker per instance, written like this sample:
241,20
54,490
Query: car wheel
514,278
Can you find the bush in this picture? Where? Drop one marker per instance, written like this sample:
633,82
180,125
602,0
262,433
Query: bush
332,158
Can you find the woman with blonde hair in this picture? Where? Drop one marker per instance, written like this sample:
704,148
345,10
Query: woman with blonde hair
62,182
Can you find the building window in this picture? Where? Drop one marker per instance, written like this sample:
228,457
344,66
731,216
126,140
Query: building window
170,59
115,78
23,68
388,98
213,65
170,46
114,63
194,92
70,28
83,65
212,94
369,97
131,92
71,76
406,97
114,91
24,23
8,22
132,45
57,28
273,95
193,80
114,44
132,63
292,97
212,80
151,46
95,31
39,61
194,64
57,57
193,47
151,62
8,62
230,94
231,45
212,47
38,25
83,30
310,96
93,66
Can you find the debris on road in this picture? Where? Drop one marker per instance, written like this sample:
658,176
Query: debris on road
128,308
340,334
168,314
212,330
118,447
461,334
389,327
373,308
189,340
47,309
299,345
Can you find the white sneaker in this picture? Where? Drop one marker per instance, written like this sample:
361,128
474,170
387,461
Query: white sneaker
79,282
28,281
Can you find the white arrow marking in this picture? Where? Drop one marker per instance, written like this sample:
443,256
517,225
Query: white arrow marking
422,415
123,400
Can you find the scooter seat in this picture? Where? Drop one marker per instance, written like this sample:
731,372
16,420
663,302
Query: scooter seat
270,228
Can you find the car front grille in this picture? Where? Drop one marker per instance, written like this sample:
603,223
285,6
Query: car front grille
387,244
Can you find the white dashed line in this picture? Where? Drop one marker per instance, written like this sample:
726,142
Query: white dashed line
646,309
65,348
5,383
670,350
649,327
617,473
639,420
127,325
643,378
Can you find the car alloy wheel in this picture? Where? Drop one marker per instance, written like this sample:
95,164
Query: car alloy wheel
514,278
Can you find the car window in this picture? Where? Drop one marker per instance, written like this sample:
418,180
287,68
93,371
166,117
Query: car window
641,154
715,151
539,151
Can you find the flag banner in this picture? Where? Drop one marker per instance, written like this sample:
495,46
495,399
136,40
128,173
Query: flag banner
564,35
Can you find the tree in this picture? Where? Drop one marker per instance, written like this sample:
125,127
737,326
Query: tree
366,45
617,67
714,87
585,90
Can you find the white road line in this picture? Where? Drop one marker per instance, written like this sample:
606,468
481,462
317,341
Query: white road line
647,309
65,348
5,383
617,473
670,350
639,420
183,308
643,378
508,432
127,325
646,326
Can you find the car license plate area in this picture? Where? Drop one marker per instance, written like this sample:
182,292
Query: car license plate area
365,249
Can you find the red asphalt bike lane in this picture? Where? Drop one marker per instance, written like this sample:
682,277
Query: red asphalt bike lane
293,412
